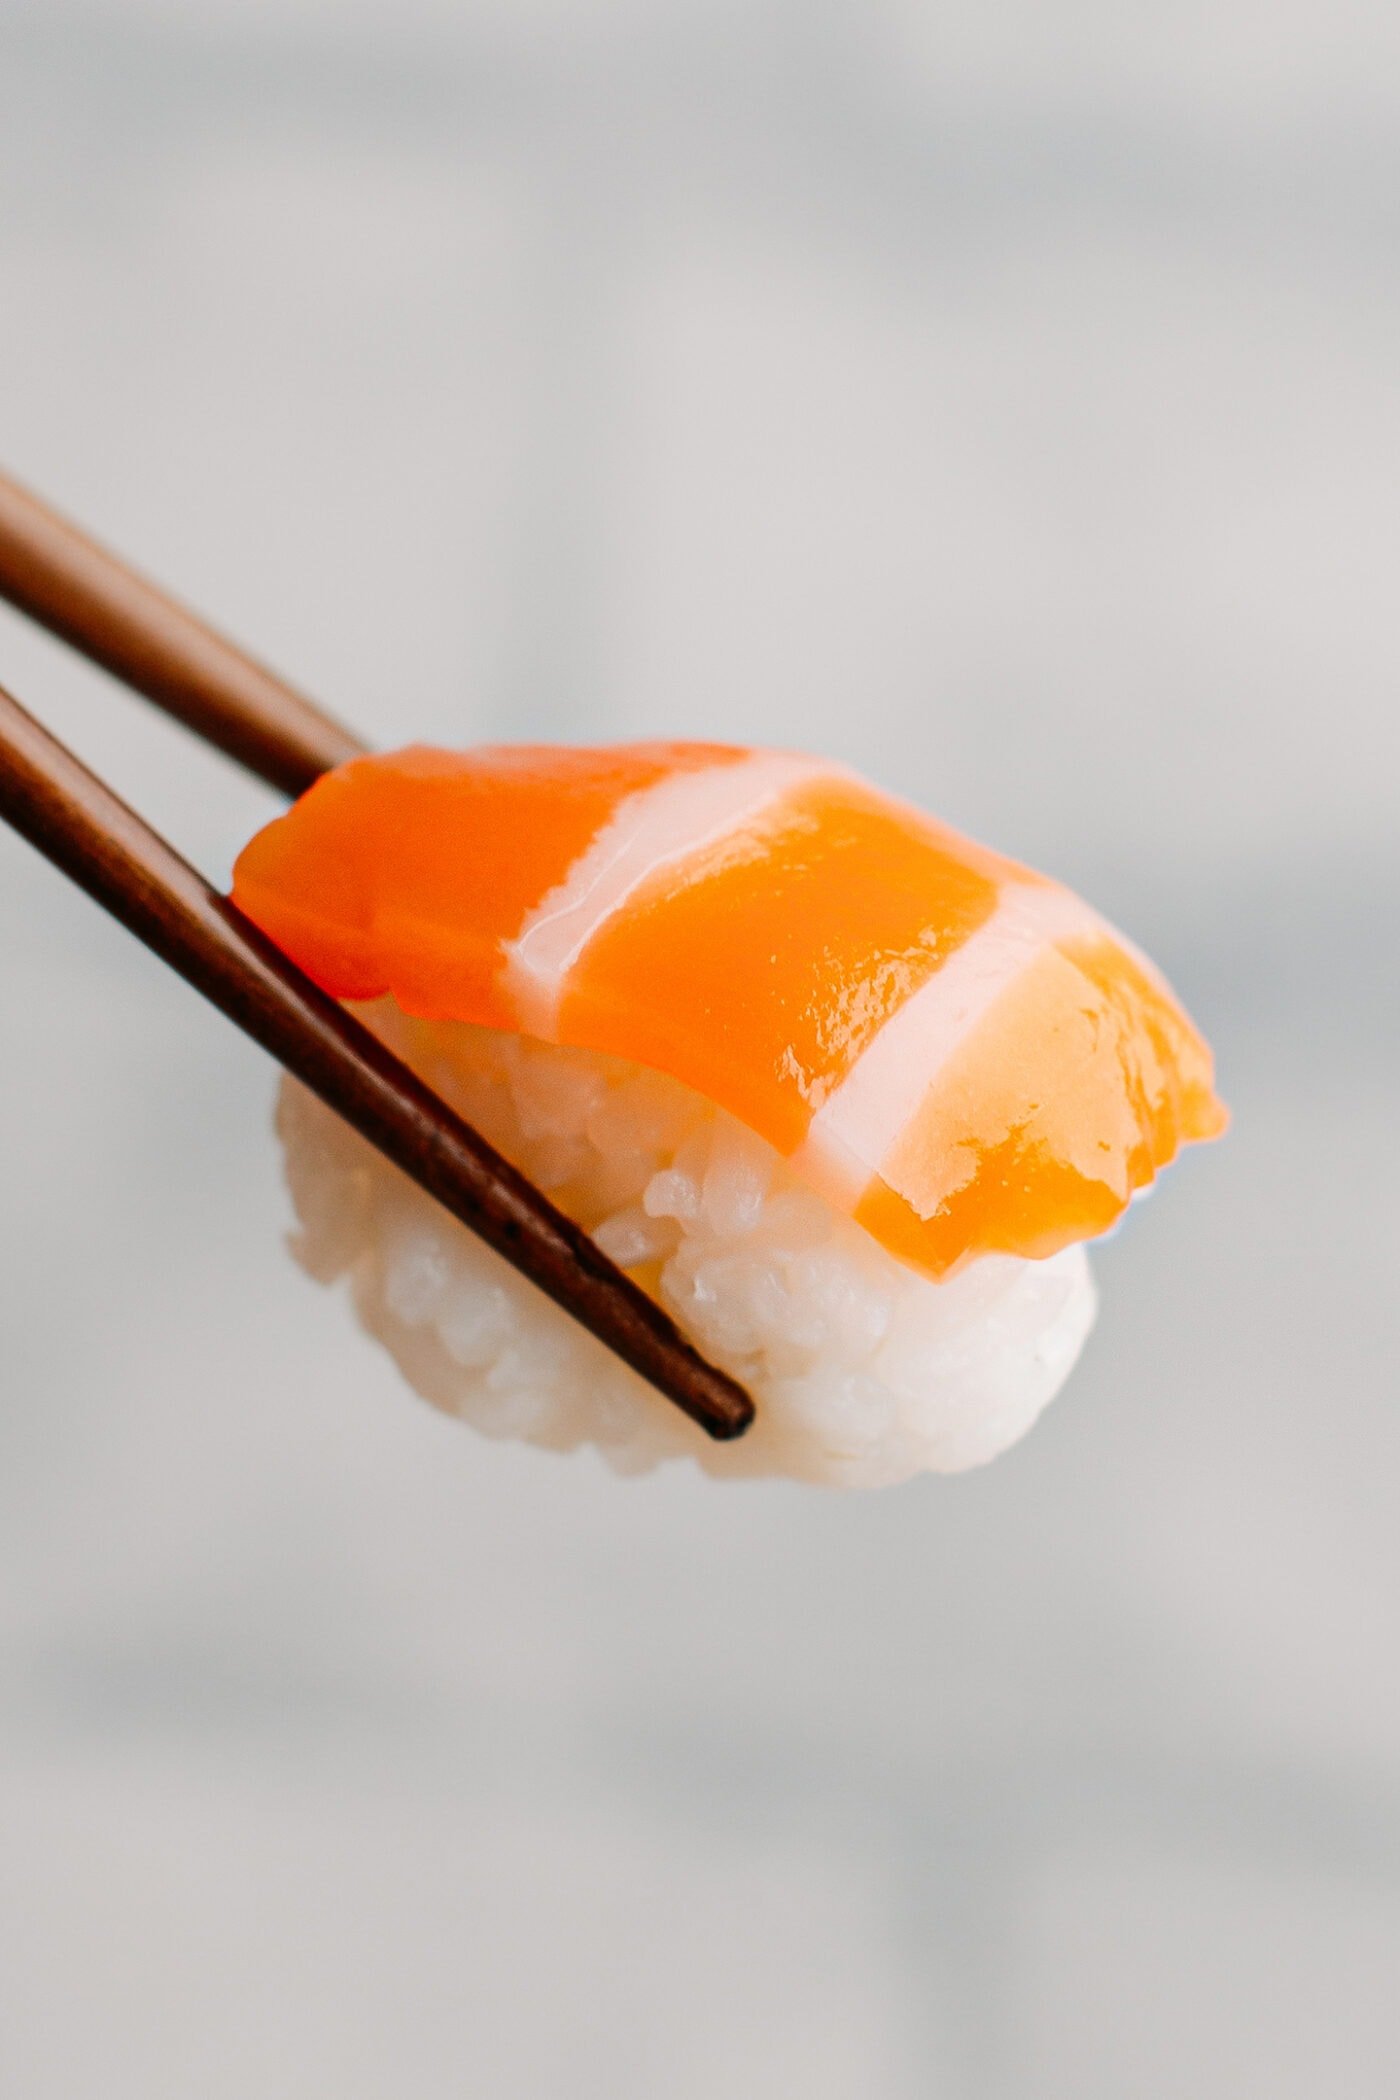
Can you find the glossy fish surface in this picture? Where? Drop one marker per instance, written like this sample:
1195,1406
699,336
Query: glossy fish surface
950,1048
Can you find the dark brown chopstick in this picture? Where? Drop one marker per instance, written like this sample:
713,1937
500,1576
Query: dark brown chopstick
89,598
54,802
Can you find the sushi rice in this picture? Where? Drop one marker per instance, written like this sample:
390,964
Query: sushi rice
864,1372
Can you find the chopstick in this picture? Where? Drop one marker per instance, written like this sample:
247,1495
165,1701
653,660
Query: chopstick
77,822
116,617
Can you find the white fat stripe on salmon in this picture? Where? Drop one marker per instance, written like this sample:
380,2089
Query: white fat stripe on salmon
860,1122
658,826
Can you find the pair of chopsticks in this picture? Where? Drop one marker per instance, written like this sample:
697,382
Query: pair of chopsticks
78,591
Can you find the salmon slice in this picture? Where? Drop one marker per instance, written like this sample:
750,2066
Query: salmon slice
952,1049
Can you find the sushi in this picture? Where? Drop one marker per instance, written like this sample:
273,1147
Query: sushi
846,1091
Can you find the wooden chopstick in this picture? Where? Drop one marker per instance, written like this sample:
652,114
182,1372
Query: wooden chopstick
89,598
52,572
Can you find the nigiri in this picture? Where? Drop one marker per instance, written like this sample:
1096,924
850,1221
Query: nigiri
845,1090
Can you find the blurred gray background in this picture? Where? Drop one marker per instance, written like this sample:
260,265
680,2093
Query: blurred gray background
1005,399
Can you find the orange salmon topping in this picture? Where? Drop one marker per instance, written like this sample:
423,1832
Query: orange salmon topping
954,1049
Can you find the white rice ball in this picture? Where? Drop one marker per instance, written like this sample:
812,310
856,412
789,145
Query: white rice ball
863,1372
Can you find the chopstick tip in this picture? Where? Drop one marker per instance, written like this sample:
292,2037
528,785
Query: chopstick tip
729,1411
